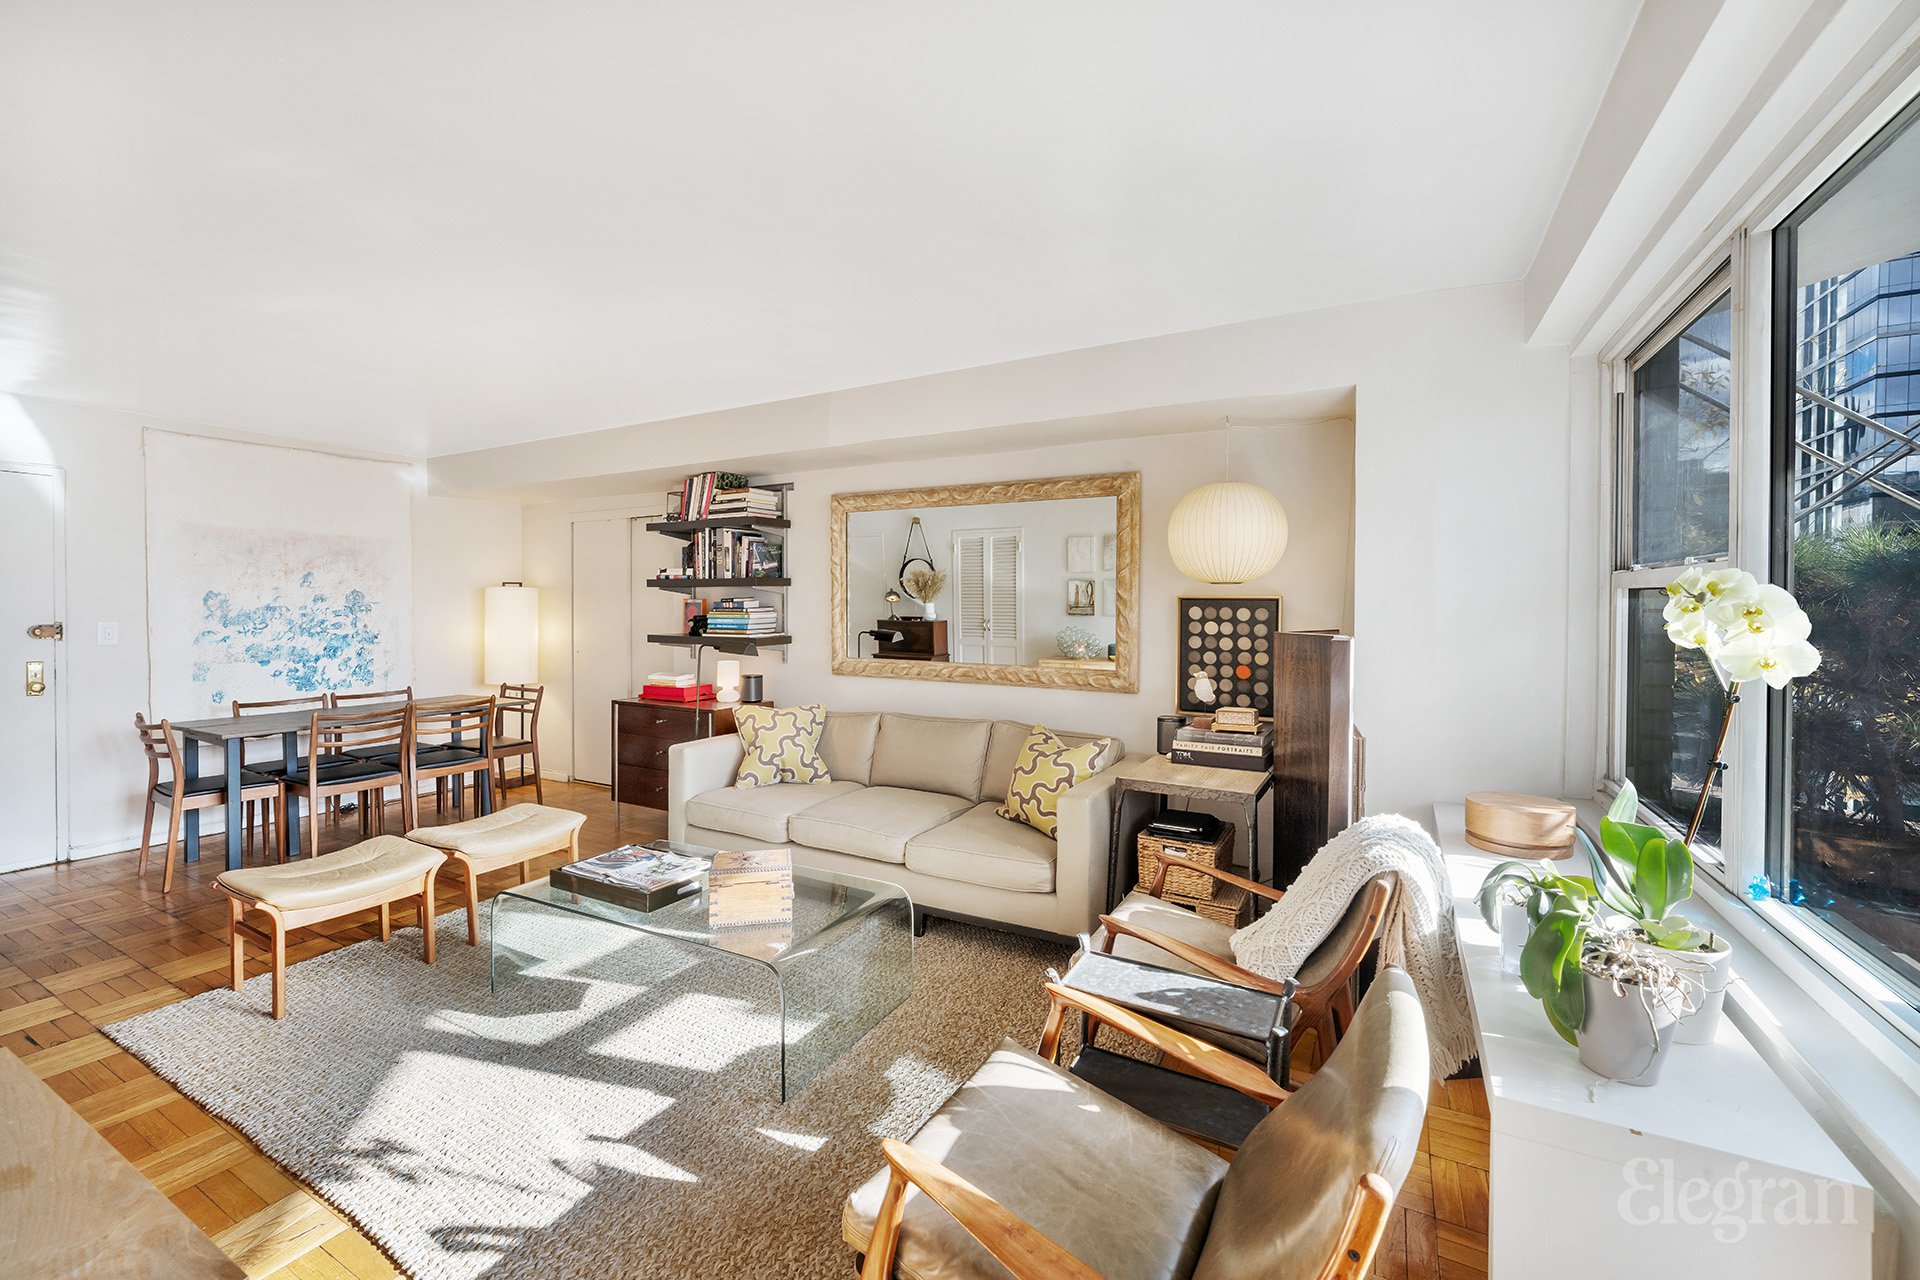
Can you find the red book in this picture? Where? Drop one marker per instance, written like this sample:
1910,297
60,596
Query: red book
678,693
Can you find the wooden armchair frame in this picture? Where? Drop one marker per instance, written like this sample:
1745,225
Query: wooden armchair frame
1031,1255
1326,1006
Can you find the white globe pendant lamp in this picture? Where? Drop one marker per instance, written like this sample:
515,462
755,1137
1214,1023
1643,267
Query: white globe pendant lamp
1227,533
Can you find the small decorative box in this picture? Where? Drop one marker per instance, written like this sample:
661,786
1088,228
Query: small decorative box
1519,825
1180,881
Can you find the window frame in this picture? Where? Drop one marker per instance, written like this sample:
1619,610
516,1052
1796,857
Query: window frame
1749,804
1702,293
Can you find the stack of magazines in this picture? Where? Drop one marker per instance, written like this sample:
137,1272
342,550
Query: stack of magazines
745,502
643,877
741,616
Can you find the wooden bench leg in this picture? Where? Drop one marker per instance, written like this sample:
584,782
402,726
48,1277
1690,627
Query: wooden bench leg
386,921
279,962
473,901
426,917
237,941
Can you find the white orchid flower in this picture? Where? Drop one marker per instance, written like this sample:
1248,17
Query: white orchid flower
1769,610
1686,619
1765,655
1728,584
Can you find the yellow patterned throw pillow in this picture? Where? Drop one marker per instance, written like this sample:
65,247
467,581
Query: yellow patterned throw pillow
1042,771
782,745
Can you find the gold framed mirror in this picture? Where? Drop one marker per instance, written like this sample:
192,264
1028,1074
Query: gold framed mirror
1027,582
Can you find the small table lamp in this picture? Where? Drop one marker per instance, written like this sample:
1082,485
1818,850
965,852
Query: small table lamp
726,681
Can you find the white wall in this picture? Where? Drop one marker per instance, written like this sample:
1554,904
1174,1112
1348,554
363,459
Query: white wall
460,546
1462,469
1308,465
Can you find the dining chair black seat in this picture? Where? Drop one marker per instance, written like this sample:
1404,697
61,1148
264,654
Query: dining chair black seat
345,769
441,753
213,782
511,746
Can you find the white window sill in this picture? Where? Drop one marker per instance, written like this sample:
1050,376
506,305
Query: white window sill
1852,1064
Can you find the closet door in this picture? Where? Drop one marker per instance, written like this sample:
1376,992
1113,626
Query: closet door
602,641
986,566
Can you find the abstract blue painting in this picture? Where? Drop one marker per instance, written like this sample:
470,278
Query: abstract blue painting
274,573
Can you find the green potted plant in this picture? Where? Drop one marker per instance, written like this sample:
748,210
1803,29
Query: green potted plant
1515,896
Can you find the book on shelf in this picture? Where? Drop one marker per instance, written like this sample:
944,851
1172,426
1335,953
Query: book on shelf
683,680
643,877
1215,749
731,553
739,615
745,502
697,492
750,887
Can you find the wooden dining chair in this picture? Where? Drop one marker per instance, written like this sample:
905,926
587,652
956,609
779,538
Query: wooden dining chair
270,768
352,701
182,795
452,739
330,768
524,738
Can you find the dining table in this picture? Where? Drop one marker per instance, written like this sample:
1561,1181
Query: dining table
229,733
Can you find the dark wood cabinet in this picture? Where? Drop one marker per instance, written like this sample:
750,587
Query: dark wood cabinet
922,639
1313,750
643,731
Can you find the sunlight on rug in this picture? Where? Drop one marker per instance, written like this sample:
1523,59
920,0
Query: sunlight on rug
622,1119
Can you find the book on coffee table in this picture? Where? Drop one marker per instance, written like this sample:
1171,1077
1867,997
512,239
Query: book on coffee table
644,877
750,887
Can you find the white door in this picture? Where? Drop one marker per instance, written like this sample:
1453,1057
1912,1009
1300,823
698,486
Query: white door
986,566
29,517
602,641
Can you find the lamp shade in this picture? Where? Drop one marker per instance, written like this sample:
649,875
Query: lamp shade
1227,533
512,635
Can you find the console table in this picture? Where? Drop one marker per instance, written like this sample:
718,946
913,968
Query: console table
1161,780
1695,1170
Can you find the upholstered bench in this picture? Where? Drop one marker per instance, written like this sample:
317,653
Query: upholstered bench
373,873
517,834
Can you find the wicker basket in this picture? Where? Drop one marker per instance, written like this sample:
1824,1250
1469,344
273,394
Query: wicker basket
1182,883
1229,904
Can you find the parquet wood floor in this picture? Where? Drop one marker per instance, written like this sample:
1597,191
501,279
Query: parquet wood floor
85,944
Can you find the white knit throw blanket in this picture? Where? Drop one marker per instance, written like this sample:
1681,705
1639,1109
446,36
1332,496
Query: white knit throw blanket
1416,935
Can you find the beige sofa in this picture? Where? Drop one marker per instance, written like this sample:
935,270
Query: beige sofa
912,802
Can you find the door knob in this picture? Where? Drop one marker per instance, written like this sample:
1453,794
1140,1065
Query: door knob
36,678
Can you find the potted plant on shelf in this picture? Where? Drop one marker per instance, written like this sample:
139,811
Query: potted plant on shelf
1515,896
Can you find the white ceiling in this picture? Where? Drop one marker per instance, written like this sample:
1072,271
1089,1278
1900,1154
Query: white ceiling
440,225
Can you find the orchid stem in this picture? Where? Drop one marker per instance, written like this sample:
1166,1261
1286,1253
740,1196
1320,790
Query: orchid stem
1717,764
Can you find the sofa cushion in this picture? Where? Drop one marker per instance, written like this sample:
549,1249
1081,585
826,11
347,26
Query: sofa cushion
1043,772
761,812
931,753
781,744
874,822
847,745
1004,743
981,847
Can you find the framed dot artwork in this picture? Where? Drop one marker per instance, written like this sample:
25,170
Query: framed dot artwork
1227,652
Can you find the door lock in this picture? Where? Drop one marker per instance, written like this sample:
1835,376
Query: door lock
47,631
36,679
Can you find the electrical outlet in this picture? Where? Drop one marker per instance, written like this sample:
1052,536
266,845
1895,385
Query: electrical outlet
109,633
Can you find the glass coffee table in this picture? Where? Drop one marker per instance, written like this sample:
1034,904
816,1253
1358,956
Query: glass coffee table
843,964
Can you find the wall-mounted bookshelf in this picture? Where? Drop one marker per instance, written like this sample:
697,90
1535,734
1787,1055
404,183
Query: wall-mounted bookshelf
737,542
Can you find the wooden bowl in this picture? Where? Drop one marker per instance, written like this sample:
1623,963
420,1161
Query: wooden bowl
1518,825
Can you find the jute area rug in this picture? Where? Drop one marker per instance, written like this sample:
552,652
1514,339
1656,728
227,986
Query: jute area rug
617,1120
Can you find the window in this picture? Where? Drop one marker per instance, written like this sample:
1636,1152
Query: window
1676,482
1844,746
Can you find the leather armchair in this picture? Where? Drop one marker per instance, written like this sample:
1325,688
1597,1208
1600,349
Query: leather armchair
1031,1171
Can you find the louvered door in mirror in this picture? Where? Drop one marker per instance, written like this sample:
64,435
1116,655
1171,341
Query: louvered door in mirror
1029,582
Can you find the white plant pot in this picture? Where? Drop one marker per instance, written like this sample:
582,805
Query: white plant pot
928,613
1712,969
1626,1036
1514,931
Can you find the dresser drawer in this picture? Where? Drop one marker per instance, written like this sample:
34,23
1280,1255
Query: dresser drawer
671,723
645,752
641,786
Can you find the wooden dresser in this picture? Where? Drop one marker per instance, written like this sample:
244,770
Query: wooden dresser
643,730
921,639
